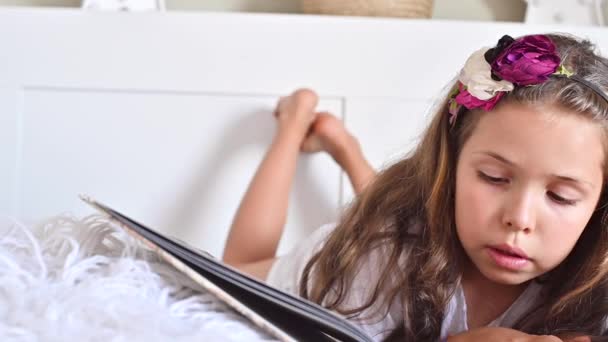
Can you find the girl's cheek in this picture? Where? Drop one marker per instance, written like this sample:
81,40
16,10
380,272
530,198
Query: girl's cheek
479,194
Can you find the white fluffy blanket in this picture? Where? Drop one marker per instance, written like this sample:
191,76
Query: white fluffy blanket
84,280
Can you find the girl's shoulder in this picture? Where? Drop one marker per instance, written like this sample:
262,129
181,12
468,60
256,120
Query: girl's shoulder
286,273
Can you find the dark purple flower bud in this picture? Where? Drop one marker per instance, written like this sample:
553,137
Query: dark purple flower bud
528,60
503,43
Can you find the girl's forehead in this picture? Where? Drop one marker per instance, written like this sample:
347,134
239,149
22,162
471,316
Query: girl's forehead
515,119
545,137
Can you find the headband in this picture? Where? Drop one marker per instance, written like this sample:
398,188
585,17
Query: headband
490,73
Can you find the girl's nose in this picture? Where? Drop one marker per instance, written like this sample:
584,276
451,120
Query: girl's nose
519,211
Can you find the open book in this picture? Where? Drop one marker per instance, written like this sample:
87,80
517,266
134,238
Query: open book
282,315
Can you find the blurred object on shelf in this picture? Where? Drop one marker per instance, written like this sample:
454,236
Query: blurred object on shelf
124,5
577,12
373,8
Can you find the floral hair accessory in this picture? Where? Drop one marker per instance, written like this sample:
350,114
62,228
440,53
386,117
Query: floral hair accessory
491,72
527,61
476,87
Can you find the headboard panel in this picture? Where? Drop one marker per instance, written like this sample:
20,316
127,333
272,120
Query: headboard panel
165,116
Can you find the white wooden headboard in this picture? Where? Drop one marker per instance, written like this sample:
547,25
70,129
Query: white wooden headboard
165,116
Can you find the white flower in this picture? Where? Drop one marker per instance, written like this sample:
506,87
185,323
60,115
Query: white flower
476,75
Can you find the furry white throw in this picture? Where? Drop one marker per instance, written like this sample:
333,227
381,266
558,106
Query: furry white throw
73,279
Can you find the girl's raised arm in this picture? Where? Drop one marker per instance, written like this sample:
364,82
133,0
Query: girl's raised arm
260,219
258,224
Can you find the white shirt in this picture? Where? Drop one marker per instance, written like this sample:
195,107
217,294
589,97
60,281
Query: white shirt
285,275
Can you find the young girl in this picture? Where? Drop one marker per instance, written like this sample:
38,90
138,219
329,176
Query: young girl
496,219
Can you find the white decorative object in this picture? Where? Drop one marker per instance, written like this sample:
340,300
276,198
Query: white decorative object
577,12
124,5
84,280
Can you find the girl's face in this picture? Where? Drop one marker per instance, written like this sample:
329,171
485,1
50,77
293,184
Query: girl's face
527,181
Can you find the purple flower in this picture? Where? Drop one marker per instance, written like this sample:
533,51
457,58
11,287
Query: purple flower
471,102
528,60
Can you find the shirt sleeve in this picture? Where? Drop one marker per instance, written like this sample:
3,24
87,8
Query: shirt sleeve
286,272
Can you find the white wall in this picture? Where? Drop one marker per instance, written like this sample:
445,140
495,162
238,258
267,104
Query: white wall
173,148
503,10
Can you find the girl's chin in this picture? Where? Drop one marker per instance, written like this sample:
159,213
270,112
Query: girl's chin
508,279
505,277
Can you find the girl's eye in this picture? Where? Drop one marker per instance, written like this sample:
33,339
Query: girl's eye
559,199
493,180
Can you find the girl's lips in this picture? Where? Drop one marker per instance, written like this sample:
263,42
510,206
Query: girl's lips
511,250
507,260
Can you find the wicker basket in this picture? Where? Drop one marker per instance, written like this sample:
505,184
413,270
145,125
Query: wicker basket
375,8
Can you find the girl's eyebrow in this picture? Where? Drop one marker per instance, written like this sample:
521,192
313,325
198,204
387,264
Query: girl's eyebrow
573,180
497,157
510,163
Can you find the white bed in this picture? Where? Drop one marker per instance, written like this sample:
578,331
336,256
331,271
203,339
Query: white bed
165,116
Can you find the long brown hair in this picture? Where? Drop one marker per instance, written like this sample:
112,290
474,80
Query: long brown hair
419,191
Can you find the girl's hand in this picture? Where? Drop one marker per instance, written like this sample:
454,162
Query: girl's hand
296,113
502,334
